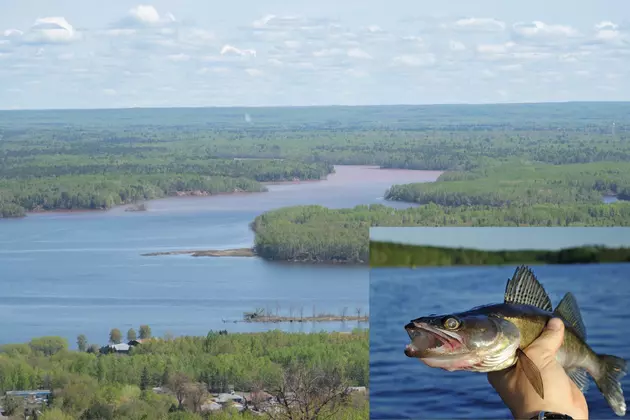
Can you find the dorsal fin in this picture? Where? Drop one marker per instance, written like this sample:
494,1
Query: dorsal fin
523,288
569,310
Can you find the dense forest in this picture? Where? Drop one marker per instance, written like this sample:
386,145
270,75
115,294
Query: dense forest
58,159
319,234
173,378
389,254
520,183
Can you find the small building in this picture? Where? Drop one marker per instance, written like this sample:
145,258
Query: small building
225,398
120,348
38,394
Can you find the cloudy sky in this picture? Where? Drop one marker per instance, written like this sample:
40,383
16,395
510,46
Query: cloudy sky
119,53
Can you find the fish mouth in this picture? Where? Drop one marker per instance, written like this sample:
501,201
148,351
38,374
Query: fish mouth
424,337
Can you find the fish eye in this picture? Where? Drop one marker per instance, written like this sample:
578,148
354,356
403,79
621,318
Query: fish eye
451,323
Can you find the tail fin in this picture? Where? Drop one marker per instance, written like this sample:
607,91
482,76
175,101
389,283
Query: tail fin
612,369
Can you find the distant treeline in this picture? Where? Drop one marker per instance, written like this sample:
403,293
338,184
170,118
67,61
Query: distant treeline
390,254
319,234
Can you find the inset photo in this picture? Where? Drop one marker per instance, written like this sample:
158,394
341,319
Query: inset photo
499,322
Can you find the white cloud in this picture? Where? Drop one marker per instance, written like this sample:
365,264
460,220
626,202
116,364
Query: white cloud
254,72
511,67
609,32
457,46
275,62
493,49
66,56
230,50
121,32
328,52
48,30
374,29
538,29
178,57
292,44
145,16
358,53
13,32
270,21
359,74
109,92
479,24
417,60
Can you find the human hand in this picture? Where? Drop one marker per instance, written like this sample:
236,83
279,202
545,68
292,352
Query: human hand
561,394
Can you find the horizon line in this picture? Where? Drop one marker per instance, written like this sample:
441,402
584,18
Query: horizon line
471,104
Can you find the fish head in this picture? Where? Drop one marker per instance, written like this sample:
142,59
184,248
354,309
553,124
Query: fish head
460,341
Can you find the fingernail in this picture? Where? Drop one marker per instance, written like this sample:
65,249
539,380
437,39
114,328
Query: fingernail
554,324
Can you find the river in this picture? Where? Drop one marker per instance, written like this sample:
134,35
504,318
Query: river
404,388
70,273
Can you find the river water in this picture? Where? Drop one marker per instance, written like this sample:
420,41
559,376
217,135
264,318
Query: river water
404,388
70,273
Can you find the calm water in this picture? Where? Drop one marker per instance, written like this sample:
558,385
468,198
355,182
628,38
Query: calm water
404,388
65,274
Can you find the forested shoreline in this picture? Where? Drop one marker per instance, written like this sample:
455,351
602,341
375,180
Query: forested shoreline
321,235
174,378
521,183
391,254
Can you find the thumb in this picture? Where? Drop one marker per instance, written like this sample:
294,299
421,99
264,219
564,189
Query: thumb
551,338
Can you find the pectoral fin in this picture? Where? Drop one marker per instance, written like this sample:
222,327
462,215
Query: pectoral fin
531,371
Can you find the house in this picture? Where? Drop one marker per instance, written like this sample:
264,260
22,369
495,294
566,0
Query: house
233,400
224,398
120,348
39,395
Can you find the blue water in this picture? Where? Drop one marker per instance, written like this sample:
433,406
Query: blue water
67,274
404,388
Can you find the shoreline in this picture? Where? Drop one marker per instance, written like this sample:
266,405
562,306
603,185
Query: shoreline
176,195
272,319
235,252
194,194
249,253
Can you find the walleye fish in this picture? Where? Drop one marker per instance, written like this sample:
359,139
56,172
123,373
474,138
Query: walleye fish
492,337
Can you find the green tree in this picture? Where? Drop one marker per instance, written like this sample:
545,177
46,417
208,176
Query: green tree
49,345
82,342
55,414
145,380
94,348
145,332
12,405
115,336
131,334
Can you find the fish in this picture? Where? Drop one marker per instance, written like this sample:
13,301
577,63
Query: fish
492,338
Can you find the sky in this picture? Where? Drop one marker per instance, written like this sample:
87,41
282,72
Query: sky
171,53
504,239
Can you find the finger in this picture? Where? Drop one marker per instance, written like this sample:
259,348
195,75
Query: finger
550,339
